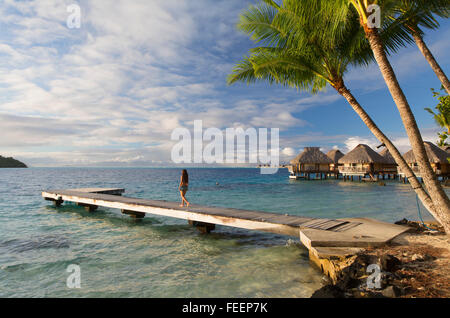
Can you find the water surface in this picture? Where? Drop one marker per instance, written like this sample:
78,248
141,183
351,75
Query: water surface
164,257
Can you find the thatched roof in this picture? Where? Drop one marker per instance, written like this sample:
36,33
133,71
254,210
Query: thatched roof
335,155
362,154
434,153
387,156
311,155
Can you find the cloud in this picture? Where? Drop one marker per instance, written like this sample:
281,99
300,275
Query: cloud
400,140
112,91
288,151
352,142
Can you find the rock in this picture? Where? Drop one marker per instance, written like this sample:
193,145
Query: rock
391,292
402,222
417,257
328,291
389,263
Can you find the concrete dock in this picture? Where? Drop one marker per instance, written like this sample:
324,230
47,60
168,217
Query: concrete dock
324,238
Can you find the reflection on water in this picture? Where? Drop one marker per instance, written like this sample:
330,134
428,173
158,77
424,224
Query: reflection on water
164,257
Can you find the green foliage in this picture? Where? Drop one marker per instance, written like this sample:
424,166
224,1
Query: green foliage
293,53
441,115
306,44
11,163
442,139
418,14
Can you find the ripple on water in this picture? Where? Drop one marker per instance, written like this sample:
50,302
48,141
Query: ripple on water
164,257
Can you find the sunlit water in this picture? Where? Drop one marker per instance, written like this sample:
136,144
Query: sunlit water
164,257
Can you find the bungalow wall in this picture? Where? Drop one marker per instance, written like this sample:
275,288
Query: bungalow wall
360,168
310,167
438,168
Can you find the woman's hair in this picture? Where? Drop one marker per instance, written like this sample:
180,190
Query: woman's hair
184,176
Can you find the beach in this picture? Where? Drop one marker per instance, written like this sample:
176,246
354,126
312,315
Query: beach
414,264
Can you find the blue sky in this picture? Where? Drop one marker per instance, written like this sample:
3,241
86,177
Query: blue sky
111,92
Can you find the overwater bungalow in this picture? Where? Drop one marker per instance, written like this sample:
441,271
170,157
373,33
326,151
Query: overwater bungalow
390,166
362,161
437,157
335,155
311,161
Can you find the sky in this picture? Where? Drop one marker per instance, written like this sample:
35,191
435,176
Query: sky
111,92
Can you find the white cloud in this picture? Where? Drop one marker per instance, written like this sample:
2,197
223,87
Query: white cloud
113,90
352,142
288,151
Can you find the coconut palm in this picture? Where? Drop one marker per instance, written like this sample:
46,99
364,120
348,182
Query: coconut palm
308,63
418,14
343,11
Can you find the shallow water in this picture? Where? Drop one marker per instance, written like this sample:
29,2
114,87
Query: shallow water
164,257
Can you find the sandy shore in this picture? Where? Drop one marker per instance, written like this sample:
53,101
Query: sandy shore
414,264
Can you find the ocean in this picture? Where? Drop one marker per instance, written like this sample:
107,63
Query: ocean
165,257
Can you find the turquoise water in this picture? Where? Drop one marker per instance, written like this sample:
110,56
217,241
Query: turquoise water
164,257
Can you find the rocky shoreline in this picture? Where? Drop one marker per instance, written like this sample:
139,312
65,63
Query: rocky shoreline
414,264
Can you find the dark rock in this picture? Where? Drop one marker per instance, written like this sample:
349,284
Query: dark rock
402,222
389,263
391,292
328,291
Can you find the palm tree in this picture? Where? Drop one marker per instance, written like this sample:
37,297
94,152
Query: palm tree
308,63
415,14
343,11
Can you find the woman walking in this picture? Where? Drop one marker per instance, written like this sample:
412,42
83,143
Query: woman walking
183,187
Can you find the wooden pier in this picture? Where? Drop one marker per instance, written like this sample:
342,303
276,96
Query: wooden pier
321,236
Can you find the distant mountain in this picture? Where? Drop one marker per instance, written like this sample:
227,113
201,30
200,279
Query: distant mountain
11,163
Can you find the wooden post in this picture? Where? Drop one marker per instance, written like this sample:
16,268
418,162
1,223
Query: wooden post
204,228
134,214
88,207
56,203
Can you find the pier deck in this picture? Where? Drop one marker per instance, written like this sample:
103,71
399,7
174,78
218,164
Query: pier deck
313,232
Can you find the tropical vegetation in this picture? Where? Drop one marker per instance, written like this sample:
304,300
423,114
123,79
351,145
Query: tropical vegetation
308,44
441,116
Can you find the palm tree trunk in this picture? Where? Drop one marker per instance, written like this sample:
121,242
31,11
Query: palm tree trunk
432,61
415,184
437,194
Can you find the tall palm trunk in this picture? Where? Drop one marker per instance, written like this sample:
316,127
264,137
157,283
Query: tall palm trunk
437,194
416,185
431,60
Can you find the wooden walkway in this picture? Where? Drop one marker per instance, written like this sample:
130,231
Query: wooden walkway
313,232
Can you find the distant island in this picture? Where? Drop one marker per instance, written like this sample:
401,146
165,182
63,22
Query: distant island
11,163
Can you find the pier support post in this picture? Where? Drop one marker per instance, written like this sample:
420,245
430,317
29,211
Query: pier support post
204,228
88,207
134,214
56,203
